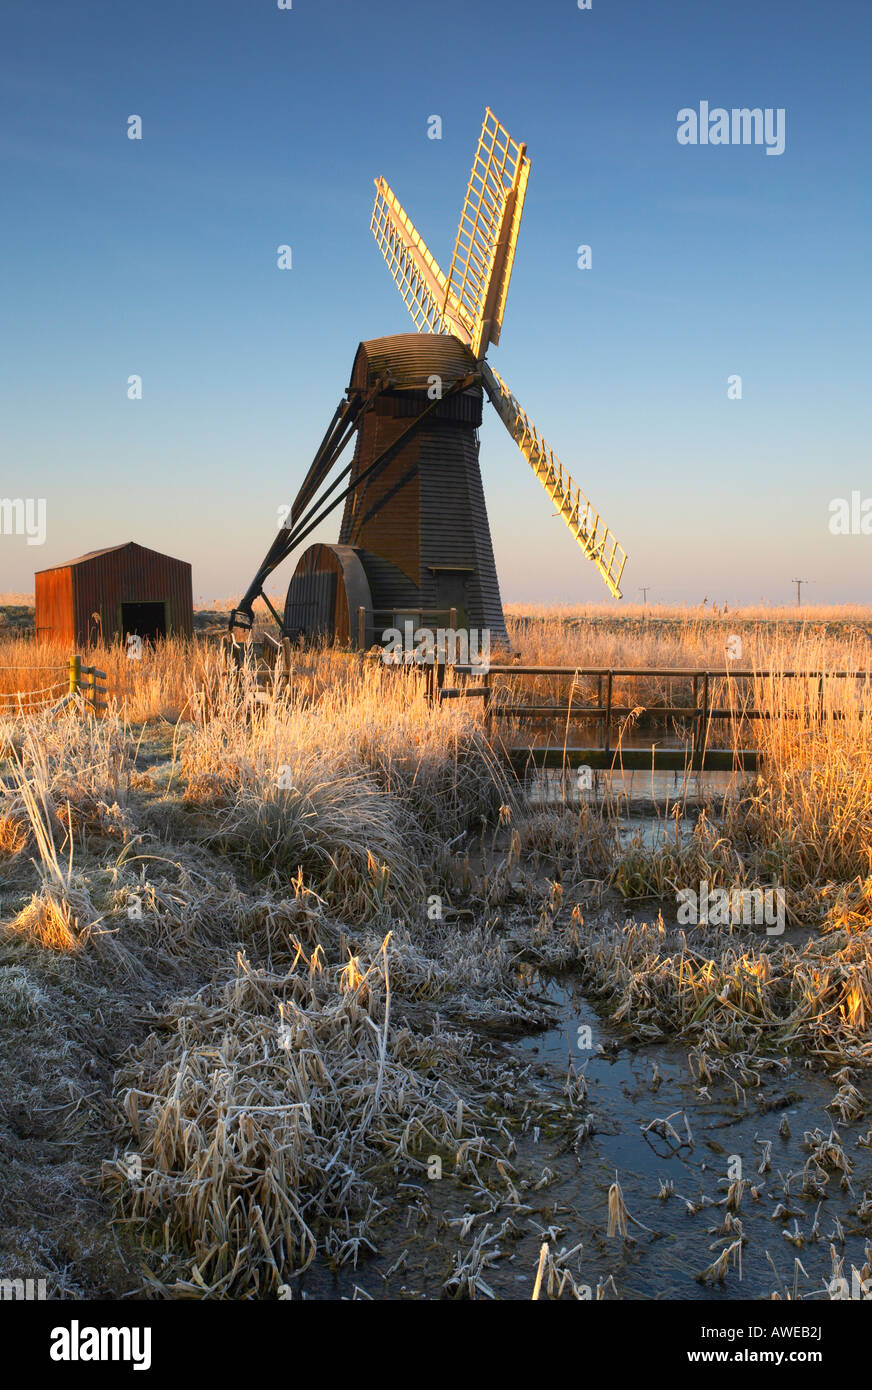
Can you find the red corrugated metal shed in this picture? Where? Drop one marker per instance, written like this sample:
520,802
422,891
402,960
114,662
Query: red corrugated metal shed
109,593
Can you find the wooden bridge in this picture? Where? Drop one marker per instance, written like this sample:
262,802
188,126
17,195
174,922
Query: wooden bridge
718,696
534,733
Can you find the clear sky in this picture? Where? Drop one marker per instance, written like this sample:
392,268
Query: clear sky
264,127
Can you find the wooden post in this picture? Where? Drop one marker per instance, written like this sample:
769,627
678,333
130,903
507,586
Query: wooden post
75,674
99,689
452,619
607,741
361,628
437,678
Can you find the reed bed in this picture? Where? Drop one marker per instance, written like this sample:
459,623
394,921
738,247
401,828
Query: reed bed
746,1004
686,641
272,1115
802,824
307,1032
806,821
152,687
358,785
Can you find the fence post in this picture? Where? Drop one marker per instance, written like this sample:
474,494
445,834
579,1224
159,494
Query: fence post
361,628
488,696
75,674
607,731
91,688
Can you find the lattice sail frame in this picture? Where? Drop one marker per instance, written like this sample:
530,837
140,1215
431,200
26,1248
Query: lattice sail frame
487,235
415,271
470,302
596,539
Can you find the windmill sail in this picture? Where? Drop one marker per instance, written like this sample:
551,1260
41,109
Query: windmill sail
416,273
595,538
484,251
469,302
415,535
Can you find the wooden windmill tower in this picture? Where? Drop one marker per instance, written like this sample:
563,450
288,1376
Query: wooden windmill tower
415,536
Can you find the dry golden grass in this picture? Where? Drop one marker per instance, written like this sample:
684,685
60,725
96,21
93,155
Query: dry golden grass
690,642
353,782
688,638
741,1006
13,834
692,613
266,1118
49,920
288,1084
361,745
226,605
146,689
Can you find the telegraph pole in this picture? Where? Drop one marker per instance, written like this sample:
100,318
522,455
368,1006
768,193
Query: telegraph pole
643,590
799,583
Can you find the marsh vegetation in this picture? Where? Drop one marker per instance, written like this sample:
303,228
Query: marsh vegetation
301,995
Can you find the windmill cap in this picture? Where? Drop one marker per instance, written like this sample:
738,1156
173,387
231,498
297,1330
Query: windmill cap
411,360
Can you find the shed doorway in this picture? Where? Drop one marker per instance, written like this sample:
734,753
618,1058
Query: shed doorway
145,620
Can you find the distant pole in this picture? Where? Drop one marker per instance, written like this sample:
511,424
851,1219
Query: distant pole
643,590
799,583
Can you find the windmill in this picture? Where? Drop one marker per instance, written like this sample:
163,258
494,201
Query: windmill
414,535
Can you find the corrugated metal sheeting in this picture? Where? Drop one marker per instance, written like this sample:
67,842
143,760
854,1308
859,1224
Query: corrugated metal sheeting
81,601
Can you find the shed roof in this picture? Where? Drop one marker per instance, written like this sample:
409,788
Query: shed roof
108,550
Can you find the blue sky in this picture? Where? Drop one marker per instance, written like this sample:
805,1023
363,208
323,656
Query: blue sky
263,127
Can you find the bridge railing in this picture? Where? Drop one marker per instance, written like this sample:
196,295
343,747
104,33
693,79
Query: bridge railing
716,695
